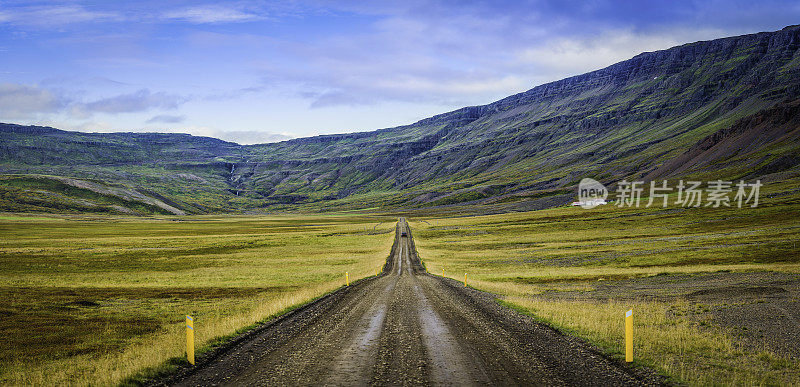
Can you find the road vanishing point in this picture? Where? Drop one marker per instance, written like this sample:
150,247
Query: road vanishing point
407,327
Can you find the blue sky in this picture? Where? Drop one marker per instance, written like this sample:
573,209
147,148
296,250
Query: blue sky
257,71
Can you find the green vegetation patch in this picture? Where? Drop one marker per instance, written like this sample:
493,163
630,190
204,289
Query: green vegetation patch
582,269
89,299
41,194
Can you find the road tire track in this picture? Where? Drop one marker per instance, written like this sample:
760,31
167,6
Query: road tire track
407,327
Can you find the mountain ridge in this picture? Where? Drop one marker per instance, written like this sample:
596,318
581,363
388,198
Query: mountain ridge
629,120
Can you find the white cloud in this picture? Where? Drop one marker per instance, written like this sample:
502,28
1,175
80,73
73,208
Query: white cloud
462,85
563,57
245,137
141,100
89,126
249,137
212,14
19,101
54,16
23,101
462,59
335,98
165,119
322,62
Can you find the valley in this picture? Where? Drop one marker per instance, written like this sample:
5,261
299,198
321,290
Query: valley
686,112
446,251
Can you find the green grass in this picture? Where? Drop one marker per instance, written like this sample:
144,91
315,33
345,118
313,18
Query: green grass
97,299
527,257
32,193
94,300
678,347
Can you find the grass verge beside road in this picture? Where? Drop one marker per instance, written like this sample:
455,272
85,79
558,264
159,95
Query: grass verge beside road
678,347
94,300
701,280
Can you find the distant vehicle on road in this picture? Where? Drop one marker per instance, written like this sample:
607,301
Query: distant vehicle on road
590,202
403,234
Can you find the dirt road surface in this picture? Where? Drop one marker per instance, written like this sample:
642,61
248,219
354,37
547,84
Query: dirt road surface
407,327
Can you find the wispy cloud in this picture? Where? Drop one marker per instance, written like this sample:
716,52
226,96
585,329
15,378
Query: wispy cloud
335,98
248,137
165,119
54,15
20,101
562,57
434,53
141,100
212,14
25,101
314,66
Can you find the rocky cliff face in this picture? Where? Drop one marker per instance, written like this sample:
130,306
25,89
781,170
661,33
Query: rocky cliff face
735,145
637,118
624,120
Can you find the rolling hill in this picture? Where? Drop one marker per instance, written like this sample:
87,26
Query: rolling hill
727,108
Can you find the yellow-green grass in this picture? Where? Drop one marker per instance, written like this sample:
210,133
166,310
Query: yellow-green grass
676,346
527,257
95,300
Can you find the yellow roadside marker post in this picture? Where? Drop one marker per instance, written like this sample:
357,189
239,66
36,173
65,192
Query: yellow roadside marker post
629,336
347,278
465,280
190,339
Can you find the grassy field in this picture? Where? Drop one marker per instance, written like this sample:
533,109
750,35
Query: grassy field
96,299
535,259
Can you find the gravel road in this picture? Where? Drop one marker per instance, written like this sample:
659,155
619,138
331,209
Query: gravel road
407,327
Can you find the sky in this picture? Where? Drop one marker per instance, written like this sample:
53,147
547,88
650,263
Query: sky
262,71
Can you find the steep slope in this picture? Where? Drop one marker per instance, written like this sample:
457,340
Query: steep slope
32,193
624,120
176,173
34,145
766,140
637,118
